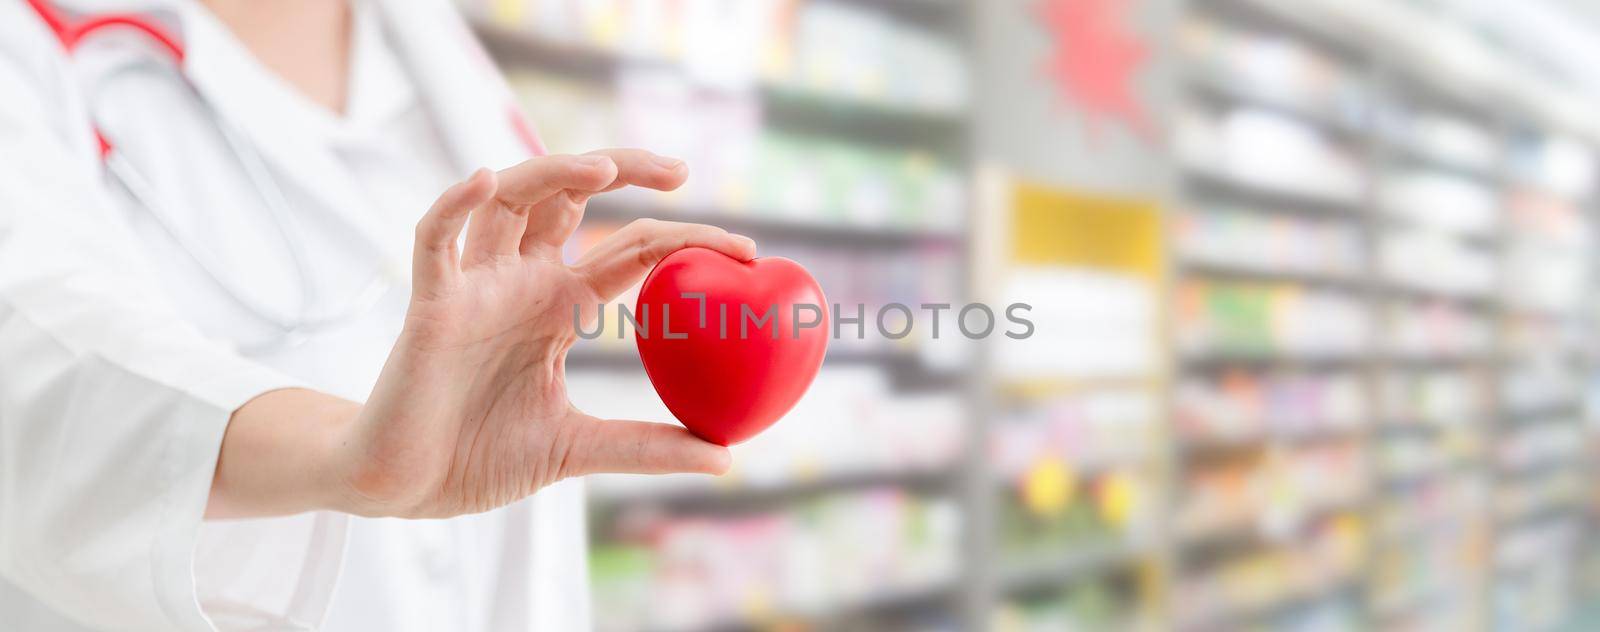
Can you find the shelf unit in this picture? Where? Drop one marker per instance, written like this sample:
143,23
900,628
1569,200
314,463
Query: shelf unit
1540,592
1206,196
1394,513
1399,515
942,136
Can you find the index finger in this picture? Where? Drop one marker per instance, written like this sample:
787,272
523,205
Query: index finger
536,179
638,167
554,220
623,258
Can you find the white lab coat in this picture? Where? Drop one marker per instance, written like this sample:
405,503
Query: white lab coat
119,361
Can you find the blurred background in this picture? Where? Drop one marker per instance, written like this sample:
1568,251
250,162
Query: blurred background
1312,279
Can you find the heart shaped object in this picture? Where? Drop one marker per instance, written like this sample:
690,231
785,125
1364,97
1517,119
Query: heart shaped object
708,350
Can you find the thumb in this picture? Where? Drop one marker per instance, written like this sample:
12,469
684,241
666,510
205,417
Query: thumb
608,446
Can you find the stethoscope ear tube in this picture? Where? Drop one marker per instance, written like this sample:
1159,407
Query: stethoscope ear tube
292,330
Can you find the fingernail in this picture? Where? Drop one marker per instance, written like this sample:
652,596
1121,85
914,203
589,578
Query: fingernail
593,161
666,163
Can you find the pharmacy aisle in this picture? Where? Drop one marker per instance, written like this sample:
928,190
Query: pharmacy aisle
1315,305
835,134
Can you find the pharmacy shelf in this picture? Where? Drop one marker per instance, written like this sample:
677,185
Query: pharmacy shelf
1085,560
1325,36
848,615
1420,294
1451,523
1204,184
1434,361
900,361
1237,272
1264,360
1417,476
1563,509
1405,154
1569,409
1263,614
1400,425
932,14
1542,468
1512,424
906,370
1204,446
1246,532
1391,614
791,109
725,497
1218,90
1488,241
784,107
939,596
769,226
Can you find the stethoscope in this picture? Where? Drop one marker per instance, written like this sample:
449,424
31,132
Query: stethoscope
291,330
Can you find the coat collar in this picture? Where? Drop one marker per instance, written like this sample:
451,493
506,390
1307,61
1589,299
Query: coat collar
470,101
473,107
289,139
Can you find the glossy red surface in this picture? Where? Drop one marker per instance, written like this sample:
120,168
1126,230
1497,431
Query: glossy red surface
728,378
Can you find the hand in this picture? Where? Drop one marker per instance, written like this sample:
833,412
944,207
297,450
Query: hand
471,411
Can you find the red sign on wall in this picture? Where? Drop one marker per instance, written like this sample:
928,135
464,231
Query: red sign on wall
1095,60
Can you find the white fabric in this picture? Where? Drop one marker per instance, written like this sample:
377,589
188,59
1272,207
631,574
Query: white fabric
119,361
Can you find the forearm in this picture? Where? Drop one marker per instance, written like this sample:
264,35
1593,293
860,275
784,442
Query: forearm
281,456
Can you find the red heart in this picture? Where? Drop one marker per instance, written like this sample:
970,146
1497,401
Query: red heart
728,378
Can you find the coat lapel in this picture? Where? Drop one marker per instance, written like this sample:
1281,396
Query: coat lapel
470,102
298,157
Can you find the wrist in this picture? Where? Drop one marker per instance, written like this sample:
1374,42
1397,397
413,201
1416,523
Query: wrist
336,454
280,455
372,470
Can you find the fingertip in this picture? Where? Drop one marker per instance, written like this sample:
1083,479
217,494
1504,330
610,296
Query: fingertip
673,176
719,459
480,186
465,195
744,247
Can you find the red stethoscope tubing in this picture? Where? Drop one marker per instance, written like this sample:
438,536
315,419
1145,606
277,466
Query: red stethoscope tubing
73,33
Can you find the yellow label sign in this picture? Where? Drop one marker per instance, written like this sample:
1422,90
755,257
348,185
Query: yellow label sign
1055,227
